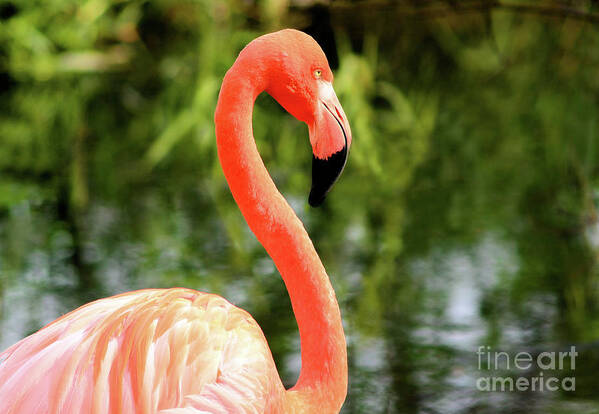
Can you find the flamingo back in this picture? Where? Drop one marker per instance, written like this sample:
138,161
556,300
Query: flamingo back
171,351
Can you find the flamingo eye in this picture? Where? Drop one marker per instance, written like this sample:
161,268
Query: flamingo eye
317,73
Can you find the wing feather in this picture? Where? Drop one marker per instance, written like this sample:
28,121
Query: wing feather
170,351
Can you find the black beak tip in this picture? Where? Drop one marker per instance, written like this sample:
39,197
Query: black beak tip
315,199
324,174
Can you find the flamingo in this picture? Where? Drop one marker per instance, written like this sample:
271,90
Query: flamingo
180,351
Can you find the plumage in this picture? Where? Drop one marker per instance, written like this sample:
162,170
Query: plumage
144,351
180,351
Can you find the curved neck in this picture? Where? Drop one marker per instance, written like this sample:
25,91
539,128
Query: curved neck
323,376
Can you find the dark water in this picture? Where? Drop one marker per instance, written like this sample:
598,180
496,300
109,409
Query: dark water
466,216
413,333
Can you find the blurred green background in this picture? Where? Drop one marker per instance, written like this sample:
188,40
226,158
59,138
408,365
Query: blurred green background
466,215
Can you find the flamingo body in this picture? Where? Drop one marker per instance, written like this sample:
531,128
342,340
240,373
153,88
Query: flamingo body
144,352
179,351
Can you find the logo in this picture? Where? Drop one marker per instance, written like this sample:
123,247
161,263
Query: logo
525,371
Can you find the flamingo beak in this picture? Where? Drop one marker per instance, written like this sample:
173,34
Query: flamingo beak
330,136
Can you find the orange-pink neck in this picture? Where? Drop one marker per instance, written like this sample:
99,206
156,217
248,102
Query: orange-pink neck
323,376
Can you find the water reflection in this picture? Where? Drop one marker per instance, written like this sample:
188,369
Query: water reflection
416,355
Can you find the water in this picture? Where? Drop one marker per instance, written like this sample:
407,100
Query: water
412,335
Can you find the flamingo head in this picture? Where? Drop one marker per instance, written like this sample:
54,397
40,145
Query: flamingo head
299,78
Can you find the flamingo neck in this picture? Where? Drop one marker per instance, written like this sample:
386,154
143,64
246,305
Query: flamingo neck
323,377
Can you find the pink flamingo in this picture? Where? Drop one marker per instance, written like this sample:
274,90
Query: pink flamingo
181,351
